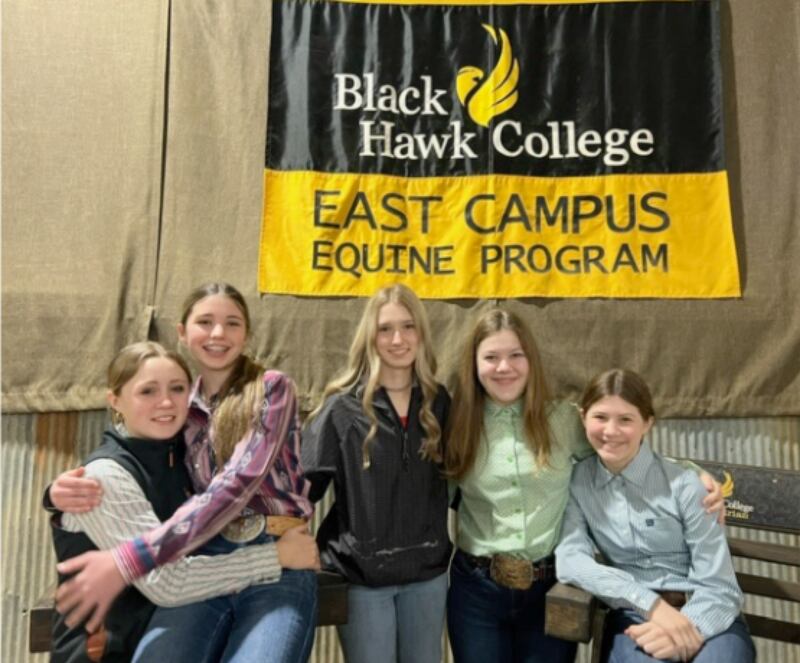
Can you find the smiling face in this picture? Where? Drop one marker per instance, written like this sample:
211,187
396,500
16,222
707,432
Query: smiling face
155,401
615,429
502,366
396,337
214,333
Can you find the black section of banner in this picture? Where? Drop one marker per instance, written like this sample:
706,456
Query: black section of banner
630,66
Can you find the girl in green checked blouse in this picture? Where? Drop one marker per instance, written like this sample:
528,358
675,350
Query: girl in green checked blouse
510,448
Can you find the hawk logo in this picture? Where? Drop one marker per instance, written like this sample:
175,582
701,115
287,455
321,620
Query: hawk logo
734,509
727,485
487,96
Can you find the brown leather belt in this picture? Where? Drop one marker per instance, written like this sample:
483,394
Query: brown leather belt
675,599
512,572
247,527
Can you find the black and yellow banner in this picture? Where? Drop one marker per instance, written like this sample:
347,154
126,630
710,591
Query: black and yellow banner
544,149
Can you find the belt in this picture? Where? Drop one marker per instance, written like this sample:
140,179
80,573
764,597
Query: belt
512,572
246,528
675,599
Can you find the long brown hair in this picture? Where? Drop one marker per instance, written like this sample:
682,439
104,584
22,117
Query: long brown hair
626,384
466,419
364,364
242,394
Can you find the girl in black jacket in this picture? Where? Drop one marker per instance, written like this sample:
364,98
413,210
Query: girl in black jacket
378,436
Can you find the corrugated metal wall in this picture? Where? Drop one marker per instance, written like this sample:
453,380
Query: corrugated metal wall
35,448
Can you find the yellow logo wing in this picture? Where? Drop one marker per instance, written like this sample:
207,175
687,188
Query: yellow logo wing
484,96
727,485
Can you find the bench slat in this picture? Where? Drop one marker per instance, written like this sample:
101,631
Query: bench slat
764,552
776,589
774,629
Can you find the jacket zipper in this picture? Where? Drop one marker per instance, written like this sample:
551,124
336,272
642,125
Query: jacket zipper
404,434
398,425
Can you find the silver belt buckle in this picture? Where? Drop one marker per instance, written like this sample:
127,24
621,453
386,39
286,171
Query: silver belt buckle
244,528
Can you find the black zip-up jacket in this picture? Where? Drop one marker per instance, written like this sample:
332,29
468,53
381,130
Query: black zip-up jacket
388,523
158,467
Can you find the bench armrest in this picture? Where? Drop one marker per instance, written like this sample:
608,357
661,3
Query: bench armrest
568,613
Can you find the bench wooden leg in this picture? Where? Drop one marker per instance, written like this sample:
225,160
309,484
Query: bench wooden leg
598,630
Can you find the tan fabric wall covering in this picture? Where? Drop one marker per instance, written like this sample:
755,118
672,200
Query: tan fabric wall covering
83,109
82,137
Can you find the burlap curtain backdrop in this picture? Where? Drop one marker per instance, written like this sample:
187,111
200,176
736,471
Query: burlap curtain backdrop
133,137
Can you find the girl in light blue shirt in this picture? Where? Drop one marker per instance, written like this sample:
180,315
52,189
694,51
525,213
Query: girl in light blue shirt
668,578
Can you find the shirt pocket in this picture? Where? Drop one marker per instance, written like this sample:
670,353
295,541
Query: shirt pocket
659,535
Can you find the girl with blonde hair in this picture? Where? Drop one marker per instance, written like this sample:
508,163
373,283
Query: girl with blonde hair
377,436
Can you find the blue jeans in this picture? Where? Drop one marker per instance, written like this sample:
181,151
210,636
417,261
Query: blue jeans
269,622
395,624
731,646
489,622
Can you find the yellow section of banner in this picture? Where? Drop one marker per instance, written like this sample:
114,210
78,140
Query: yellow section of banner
662,236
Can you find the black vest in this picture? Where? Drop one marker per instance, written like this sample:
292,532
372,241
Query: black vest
158,467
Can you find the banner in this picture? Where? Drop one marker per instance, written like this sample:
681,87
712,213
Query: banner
542,149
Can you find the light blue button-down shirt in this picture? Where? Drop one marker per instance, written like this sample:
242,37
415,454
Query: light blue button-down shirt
649,523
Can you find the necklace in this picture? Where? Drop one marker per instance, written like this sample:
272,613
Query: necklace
403,388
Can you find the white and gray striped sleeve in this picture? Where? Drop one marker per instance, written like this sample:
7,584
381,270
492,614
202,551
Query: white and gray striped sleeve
716,598
125,513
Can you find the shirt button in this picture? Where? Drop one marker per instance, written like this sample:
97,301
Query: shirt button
510,459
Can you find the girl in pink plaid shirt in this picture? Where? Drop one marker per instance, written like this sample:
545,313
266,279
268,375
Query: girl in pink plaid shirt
242,451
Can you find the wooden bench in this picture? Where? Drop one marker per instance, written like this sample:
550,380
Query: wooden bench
755,498
331,610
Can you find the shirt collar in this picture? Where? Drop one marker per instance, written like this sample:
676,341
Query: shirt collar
496,411
380,397
196,399
635,472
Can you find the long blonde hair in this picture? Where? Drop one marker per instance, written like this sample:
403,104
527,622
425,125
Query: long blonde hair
466,418
364,364
242,393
